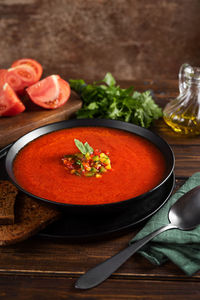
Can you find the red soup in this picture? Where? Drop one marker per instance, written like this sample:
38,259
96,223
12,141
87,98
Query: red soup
137,166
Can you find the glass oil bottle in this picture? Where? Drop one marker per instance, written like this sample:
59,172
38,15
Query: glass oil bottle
183,113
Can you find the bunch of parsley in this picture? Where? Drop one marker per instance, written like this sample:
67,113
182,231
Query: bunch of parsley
107,100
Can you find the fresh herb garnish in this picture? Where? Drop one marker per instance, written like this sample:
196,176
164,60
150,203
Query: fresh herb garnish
107,100
84,148
87,163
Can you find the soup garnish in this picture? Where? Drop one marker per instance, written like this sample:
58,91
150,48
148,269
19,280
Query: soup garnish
88,162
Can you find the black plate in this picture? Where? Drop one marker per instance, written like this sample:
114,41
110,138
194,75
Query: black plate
139,201
79,227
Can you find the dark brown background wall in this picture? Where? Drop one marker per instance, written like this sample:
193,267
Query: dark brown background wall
130,38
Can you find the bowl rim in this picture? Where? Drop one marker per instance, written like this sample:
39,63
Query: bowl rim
72,123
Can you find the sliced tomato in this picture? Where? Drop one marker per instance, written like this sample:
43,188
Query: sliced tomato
10,104
45,92
32,63
2,76
20,77
51,92
65,91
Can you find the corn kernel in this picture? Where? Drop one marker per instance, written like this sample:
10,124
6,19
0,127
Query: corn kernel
98,176
72,171
108,167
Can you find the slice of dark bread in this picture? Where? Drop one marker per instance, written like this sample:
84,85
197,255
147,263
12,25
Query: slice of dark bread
8,194
31,216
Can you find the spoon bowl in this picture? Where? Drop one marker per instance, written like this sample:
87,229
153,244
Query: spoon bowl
185,213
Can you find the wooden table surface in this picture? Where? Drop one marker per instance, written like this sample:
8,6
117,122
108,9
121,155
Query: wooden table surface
41,268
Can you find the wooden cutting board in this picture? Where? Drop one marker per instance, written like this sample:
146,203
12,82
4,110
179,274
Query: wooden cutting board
11,128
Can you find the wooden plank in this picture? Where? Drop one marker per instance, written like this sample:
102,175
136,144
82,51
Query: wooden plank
39,256
60,257
187,159
31,287
157,86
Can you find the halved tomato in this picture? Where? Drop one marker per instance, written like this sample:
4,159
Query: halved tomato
2,76
10,104
32,63
19,77
65,91
50,92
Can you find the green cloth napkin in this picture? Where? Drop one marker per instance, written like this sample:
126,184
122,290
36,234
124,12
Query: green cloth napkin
181,247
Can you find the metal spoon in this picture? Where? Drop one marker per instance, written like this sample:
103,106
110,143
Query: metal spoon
183,215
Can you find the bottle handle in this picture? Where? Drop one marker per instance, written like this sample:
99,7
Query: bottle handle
182,78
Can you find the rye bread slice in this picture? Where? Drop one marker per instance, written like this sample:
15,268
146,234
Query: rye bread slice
31,216
8,193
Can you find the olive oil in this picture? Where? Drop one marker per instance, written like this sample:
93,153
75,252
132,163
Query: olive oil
188,127
183,113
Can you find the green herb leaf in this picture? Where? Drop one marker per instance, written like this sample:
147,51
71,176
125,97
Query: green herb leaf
80,146
109,101
109,79
77,85
88,148
84,148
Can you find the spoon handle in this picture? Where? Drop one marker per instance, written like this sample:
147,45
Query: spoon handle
101,272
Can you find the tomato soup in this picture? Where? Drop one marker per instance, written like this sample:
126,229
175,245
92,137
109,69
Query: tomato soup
137,166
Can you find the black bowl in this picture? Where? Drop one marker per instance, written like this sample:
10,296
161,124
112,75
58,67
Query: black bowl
139,201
